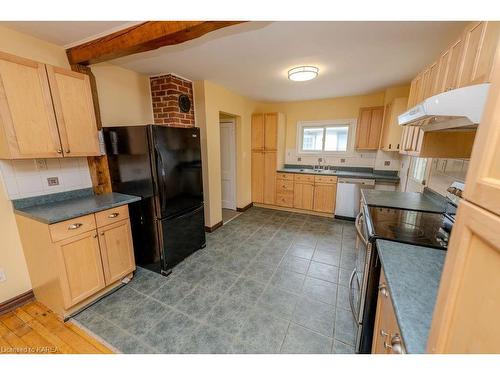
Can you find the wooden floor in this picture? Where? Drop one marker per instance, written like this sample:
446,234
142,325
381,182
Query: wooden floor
34,329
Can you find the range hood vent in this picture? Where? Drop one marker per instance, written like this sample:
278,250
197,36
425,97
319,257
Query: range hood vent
456,109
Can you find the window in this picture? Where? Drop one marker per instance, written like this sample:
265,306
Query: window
327,136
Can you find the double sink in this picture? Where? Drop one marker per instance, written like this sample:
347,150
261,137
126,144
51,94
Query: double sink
317,170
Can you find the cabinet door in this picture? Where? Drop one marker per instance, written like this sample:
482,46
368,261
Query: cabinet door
324,197
443,63
369,128
386,126
26,111
455,51
482,185
271,131
303,195
74,108
431,88
363,128
117,250
269,177
80,267
467,305
426,82
258,131
419,93
375,128
258,176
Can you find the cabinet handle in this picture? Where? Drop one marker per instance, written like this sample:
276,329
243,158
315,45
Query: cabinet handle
95,235
113,215
383,333
74,226
102,233
390,146
67,151
59,150
396,345
383,290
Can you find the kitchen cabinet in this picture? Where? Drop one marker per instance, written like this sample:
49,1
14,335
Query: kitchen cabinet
45,112
325,191
386,333
74,262
369,128
303,195
284,189
392,131
268,150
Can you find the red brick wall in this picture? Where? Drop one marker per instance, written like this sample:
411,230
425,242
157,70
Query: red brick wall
165,91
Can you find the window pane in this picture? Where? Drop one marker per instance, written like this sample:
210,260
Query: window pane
336,138
312,139
419,168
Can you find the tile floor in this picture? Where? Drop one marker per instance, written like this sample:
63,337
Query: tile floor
267,282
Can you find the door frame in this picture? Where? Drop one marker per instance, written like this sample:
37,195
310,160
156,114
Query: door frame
232,123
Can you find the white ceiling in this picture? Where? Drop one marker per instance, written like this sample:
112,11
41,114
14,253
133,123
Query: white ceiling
253,58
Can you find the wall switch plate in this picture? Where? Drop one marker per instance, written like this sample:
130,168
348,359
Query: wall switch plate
53,181
3,277
387,163
41,164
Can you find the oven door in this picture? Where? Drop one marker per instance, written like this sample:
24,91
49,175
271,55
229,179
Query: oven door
358,281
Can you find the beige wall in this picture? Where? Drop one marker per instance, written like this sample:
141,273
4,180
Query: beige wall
211,99
124,96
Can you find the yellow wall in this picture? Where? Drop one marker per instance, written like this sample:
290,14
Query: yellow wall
124,96
124,99
211,99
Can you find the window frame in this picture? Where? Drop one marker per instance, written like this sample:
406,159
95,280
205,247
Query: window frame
350,123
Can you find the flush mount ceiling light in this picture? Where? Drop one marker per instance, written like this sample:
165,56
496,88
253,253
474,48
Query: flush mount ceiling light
303,73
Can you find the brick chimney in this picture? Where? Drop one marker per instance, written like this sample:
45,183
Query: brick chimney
165,92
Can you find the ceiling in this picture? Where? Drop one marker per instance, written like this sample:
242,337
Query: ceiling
253,58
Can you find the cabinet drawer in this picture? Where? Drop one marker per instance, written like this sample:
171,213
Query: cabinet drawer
284,186
304,178
284,176
284,199
73,227
111,216
326,179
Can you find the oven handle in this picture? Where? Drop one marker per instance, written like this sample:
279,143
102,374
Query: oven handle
357,224
351,296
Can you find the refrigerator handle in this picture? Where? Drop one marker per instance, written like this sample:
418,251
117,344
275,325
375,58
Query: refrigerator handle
161,181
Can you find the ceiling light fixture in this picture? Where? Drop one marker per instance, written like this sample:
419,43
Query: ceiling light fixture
303,73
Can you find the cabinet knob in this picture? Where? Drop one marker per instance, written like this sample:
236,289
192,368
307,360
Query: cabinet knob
396,345
67,151
59,150
113,215
390,145
95,235
74,226
383,290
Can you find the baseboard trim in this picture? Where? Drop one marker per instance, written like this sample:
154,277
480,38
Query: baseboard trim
213,227
243,209
295,210
340,217
16,302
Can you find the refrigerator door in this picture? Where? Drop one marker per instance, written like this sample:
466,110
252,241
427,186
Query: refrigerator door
182,236
178,170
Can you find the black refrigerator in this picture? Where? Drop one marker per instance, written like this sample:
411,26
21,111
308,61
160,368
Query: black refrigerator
162,165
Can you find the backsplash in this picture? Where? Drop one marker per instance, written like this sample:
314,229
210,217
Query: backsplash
369,159
29,178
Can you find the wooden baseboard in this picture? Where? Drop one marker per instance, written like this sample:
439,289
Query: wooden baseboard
213,227
295,210
16,302
243,209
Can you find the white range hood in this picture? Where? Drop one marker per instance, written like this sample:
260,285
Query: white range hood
456,109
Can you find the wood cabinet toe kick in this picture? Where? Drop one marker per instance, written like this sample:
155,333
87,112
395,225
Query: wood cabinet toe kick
75,262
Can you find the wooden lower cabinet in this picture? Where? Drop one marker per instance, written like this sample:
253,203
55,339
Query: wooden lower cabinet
386,333
270,166
303,195
324,197
284,190
258,176
74,262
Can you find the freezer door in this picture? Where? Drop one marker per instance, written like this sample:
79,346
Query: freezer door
182,236
178,170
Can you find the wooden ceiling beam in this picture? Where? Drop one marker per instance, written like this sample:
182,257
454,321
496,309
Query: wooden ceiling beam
143,37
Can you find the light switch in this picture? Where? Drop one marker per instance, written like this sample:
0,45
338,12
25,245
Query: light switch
41,164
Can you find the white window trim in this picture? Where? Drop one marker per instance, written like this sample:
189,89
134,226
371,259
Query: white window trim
351,123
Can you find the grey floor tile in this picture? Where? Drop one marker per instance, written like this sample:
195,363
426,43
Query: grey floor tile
218,280
264,331
344,275
278,302
146,281
295,264
323,271
340,348
260,271
247,290
328,257
207,340
119,303
194,273
320,290
348,260
343,298
344,327
288,280
229,315
173,291
141,317
199,302
303,341
315,315
301,251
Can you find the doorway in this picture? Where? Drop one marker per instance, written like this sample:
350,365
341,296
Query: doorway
228,165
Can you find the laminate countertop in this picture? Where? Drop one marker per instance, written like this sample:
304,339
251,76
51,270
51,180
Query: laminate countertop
53,208
413,274
403,200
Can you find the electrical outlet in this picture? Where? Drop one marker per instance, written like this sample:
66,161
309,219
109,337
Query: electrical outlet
41,164
53,181
342,160
3,277
387,163
299,159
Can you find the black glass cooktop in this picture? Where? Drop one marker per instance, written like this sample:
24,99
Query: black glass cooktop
414,227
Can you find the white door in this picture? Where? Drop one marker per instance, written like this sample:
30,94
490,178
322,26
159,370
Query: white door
228,164
418,174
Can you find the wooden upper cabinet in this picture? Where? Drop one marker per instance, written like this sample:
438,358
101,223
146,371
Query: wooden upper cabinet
74,109
369,128
482,185
258,131
431,88
271,131
450,79
80,268
26,113
442,63
392,131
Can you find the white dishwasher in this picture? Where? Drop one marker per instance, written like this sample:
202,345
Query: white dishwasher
349,196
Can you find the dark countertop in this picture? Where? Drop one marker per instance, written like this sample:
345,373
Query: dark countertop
373,175
404,200
413,274
54,208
